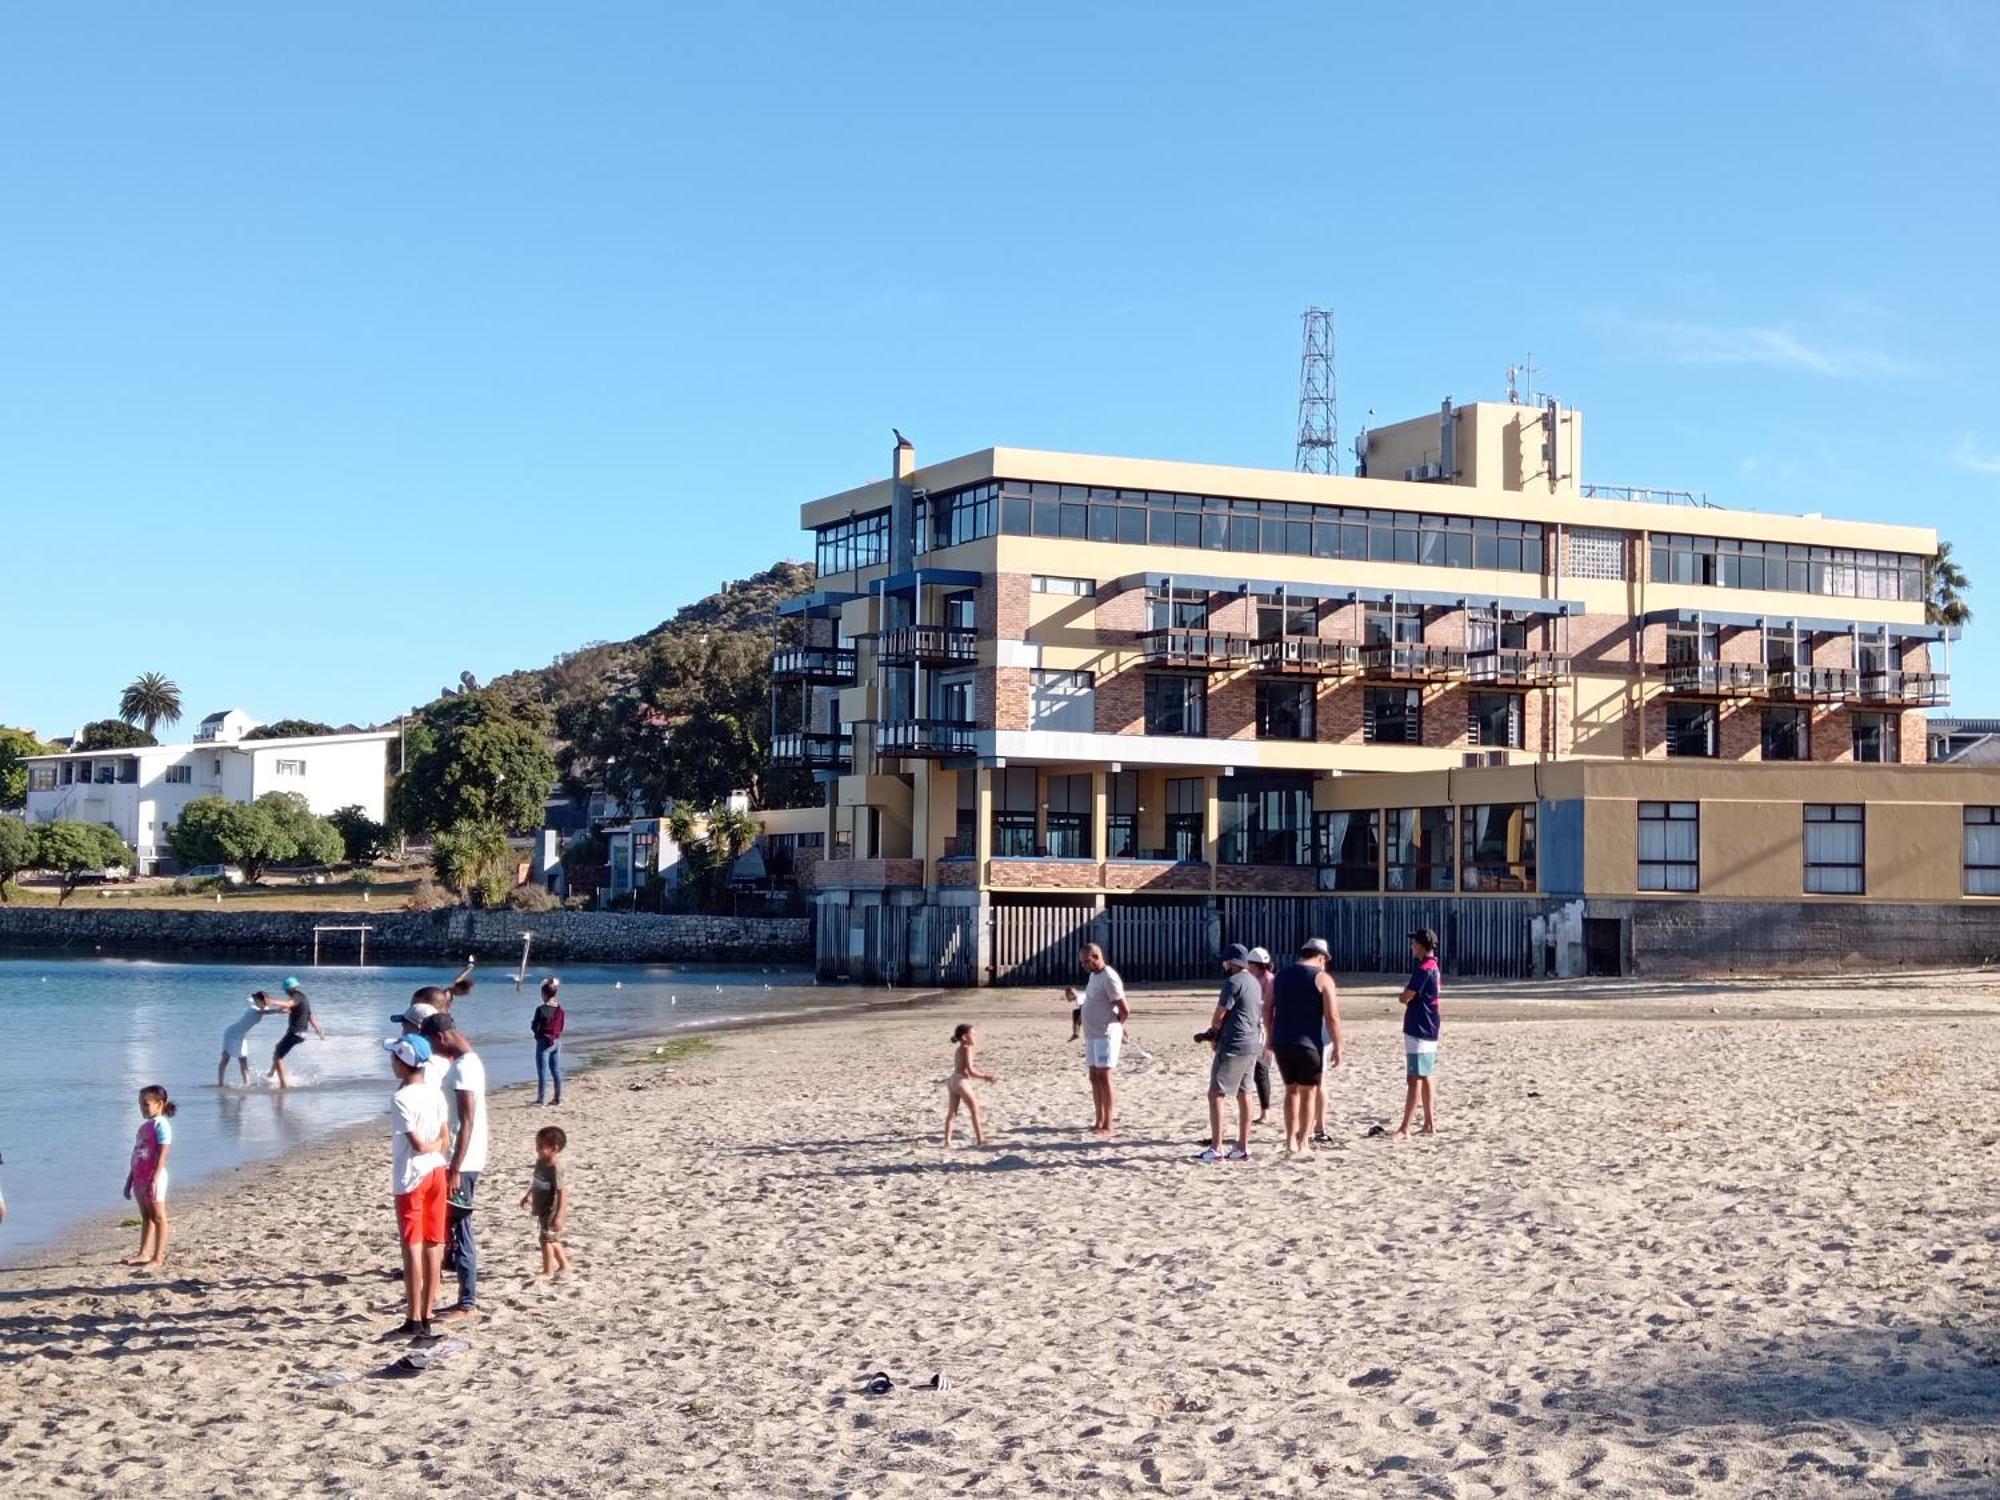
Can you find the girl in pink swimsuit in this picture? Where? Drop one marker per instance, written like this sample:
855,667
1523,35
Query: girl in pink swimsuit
146,1183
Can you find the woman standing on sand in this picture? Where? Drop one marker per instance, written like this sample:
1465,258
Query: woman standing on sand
547,1029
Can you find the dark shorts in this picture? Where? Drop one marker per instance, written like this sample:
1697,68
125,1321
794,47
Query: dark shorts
1300,1064
286,1042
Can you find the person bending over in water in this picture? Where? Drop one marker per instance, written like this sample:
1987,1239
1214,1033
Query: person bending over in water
236,1040
299,1016
146,1182
963,1071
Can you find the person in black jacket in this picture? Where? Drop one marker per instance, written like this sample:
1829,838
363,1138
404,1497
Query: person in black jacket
547,1027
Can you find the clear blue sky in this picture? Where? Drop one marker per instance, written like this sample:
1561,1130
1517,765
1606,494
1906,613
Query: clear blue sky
343,348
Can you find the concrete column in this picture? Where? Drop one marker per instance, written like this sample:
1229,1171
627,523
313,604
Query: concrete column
982,831
1211,822
1041,808
1100,824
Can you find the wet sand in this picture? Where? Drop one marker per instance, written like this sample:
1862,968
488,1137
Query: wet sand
1691,1239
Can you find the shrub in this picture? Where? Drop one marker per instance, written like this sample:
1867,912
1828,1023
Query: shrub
531,898
364,876
429,896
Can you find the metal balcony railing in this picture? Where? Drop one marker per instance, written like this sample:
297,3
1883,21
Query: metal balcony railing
833,666
1718,679
813,751
1412,661
923,737
1902,689
1197,648
908,645
1517,668
1815,684
1307,653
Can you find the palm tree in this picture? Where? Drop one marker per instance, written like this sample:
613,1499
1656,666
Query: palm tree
150,701
1945,585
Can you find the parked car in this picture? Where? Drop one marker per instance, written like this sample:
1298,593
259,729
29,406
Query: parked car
109,875
228,874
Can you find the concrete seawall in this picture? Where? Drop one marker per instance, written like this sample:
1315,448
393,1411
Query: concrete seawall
579,936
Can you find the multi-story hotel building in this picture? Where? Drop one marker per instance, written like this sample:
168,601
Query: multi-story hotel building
1049,690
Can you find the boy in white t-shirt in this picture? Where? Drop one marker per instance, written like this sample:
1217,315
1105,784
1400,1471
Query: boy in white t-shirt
465,1093
417,1142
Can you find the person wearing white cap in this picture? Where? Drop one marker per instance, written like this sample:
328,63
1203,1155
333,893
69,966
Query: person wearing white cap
1304,1010
412,1018
418,1135
1260,966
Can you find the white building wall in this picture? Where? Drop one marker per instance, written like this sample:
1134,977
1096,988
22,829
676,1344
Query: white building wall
337,775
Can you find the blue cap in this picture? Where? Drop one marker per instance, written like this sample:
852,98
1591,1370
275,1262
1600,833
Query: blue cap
291,983
1236,953
411,1051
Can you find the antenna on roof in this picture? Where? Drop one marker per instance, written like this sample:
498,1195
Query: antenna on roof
1319,413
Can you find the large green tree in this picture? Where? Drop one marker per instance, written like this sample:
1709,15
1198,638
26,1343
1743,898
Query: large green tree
290,729
278,828
480,759
473,860
1945,586
150,701
15,745
71,850
365,840
113,734
17,851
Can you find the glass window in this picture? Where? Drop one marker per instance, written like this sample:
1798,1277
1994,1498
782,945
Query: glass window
1877,738
1014,812
1284,709
1177,608
1392,716
1836,849
291,768
1176,703
1069,816
1061,701
179,775
1493,719
1982,851
1691,729
1392,624
1187,818
1281,615
1785,731
1049,583
1499,846
1121,824
1265,820
1669,846
1348,849
1418,849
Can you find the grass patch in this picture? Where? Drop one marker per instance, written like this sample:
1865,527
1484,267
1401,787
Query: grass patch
130,1223
680,1049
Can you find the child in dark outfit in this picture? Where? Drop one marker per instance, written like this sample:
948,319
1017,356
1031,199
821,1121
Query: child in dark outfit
1420,1032
548,1196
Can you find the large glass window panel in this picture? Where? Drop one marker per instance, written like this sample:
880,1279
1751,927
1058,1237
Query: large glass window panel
1835,849
1176,703
1418,849
1348,849
1982,851
1669,846
1186,818
1284,708
1499,846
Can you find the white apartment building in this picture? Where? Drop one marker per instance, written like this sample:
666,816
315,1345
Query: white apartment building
141,792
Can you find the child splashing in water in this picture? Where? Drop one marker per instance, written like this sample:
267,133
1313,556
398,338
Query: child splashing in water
963,1071
146,1183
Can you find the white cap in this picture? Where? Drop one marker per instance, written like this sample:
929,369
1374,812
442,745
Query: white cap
1259,956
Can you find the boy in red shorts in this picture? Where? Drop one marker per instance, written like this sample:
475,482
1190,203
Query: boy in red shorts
417,1117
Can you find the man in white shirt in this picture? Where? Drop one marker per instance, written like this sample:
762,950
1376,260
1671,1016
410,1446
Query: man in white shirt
1104,1017
417,1141
465,1092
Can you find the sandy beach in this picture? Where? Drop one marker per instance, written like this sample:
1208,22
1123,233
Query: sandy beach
1672,1240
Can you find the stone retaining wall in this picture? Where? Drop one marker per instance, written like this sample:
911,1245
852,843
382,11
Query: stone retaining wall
579,936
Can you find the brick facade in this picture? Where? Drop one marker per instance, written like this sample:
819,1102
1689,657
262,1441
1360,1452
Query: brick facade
1266,879
1119,701
1042,874
1154,875
1006,692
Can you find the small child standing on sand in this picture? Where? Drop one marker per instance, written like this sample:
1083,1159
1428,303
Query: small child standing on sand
548,1196
1420,1032
963,1071
146,1182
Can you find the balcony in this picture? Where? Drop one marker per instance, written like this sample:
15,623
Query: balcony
927,645
832,753
918,739
827,666
1815,684
1899,689
1517,668
1412,661
1213,649
1718,679
1308,654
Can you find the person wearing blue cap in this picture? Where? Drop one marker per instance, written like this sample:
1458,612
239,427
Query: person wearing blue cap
1236,1031
298,1017
419,1127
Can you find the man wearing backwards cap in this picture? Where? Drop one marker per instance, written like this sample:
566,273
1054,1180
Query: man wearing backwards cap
418,1135
1236,1032
414,1018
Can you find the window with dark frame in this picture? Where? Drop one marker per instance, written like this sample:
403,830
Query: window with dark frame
1121,823
1836,849
1392,716
1187,818
1499,852
1669,846
1068,818
1176,703
1285,708
1348,848
1785,733
1418,849
1691,730
1877,738
1982,851
1494,719
1266,819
